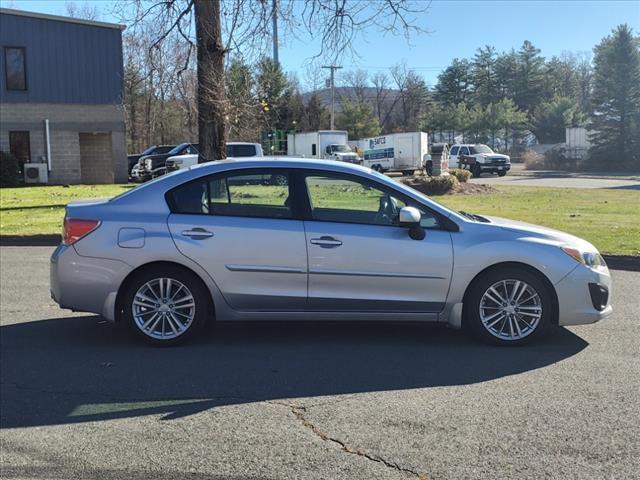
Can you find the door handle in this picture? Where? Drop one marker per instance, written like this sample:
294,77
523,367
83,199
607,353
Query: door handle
326,242
197,233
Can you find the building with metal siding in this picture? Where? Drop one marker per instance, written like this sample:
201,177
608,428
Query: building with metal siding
61,86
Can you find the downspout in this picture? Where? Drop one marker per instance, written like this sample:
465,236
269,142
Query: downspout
47,140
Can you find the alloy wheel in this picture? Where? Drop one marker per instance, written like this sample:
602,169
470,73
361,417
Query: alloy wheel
163,308
510,309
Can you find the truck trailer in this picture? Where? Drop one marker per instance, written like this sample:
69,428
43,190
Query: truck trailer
325,144
405,152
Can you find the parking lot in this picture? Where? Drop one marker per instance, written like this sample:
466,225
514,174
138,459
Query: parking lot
80,399
518,176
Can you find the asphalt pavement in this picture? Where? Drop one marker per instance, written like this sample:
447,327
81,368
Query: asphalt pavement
518,176
80,399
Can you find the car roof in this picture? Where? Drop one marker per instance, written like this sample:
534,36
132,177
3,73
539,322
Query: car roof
281,162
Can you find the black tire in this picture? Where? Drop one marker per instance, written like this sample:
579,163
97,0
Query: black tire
502,174
201,299
472,302
407,173
476,170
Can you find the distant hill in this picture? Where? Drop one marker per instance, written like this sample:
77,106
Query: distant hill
351,93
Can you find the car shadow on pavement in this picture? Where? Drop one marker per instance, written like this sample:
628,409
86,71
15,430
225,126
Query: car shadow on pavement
79,369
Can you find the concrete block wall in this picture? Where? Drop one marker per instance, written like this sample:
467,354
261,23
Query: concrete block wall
65,157
66,123
95,158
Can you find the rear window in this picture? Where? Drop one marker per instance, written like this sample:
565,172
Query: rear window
262,193
454,150
241,150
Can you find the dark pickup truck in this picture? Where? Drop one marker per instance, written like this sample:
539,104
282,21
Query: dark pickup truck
151,166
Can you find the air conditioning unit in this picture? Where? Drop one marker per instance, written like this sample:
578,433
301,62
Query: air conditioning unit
36,173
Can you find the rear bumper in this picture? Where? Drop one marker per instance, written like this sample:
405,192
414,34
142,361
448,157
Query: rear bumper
85,284
578,301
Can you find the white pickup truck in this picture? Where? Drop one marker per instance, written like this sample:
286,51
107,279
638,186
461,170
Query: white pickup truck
479,158
234,150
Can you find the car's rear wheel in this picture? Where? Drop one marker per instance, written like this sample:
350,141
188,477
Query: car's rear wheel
509,306
165,306
476,171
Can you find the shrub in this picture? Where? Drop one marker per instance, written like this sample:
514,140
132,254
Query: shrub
533,160
432,185
463,176
9,170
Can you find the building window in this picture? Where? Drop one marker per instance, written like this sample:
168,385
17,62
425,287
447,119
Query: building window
15,69
19,146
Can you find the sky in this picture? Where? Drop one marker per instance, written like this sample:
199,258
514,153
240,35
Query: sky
457,29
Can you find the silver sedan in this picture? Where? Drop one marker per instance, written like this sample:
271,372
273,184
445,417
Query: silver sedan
297,239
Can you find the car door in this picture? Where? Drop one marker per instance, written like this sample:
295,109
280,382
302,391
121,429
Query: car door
360,259
240,226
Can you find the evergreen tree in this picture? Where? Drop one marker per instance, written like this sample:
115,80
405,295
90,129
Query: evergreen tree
485,82
358,119
271,85
454,83
615,120
529,78
551,118
317,115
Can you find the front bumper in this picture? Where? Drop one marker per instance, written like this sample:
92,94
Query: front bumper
578,301
495,168
85,284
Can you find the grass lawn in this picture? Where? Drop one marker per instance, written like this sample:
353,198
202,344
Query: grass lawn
608,218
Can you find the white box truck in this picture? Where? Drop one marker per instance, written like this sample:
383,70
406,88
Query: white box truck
405,152
326,144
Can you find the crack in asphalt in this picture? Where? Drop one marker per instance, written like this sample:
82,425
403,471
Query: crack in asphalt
299,412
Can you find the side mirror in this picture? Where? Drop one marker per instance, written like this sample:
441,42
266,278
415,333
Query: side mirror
410,217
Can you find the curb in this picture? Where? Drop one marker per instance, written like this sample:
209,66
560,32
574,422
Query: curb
615,262
563,174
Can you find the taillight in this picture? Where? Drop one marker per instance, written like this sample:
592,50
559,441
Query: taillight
75,228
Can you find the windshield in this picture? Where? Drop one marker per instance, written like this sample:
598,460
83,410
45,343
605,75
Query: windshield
149,150
341,148
162,149
178,148
480,149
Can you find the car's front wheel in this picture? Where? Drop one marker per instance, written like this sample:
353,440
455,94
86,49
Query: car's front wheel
509,306
165,305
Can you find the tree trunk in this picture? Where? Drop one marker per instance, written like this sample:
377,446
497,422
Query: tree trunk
211,94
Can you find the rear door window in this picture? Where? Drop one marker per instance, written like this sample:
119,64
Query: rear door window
262,194
454,150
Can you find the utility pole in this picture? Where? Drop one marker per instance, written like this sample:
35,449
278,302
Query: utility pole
333,69
274,19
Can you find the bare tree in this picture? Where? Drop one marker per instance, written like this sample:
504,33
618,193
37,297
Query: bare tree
381,85
86,10
247,25
357,81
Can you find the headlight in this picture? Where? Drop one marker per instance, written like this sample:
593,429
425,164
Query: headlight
148,163
590,259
